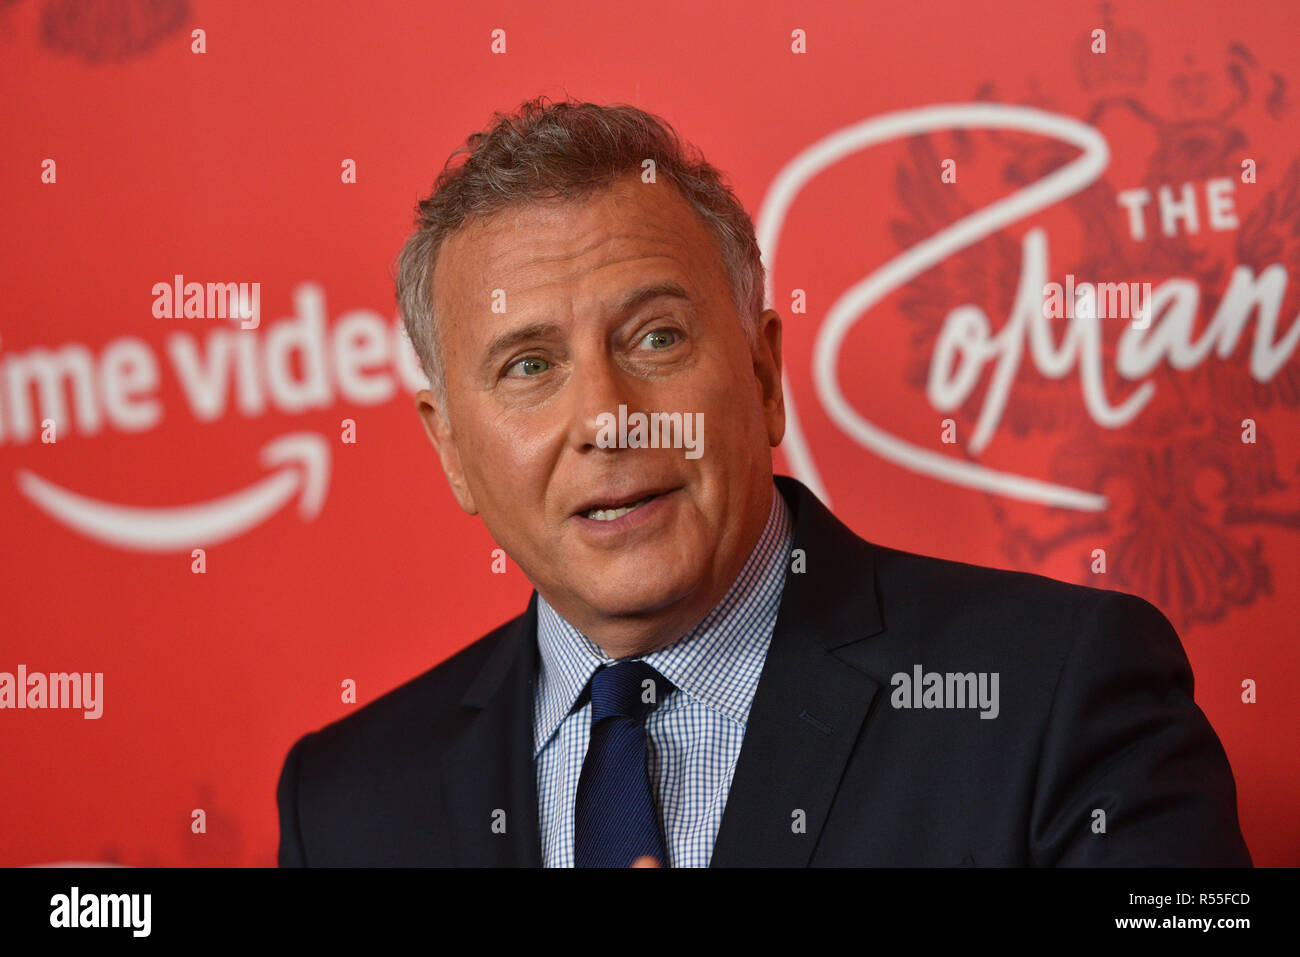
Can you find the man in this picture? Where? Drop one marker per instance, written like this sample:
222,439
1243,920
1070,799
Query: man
713,670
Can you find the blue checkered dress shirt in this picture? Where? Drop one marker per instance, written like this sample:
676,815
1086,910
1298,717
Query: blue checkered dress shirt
696,731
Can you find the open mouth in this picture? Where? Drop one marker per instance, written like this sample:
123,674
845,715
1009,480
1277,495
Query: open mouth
610,512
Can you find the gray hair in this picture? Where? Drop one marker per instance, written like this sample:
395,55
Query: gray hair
548,150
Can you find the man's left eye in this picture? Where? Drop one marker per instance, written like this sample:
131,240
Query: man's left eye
660,339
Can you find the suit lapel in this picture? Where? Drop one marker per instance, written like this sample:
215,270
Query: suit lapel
810,703
488,776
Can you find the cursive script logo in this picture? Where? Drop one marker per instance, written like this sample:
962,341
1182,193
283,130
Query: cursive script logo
966,344
1155,437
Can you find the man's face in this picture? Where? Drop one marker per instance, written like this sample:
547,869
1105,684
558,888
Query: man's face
554,313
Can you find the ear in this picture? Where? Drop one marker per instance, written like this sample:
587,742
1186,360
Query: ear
767,371
437,427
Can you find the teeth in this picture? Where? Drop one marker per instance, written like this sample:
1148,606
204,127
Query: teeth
609,514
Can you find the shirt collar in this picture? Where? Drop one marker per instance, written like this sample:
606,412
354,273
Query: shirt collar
717,663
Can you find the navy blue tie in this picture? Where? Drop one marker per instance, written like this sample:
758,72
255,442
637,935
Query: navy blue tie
615,815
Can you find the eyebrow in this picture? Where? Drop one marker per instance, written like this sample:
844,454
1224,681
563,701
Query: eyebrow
653,291
549,330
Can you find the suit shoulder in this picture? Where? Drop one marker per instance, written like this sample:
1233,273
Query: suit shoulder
428,701
1002,599
901,567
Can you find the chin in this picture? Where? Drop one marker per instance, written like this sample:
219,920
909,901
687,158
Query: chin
641,598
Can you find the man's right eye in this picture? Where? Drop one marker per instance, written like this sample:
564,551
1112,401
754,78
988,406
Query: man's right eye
530,366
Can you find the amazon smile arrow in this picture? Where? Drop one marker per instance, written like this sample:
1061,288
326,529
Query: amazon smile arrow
302,466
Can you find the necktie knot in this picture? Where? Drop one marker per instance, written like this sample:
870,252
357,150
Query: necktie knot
627,689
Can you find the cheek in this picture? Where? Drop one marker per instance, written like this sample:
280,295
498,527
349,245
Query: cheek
733,421
512,463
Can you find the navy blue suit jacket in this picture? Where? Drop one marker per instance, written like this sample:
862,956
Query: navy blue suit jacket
1095,714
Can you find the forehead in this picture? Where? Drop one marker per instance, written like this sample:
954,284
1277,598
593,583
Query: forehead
565,251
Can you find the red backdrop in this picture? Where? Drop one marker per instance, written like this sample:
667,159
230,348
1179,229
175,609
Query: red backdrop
333,560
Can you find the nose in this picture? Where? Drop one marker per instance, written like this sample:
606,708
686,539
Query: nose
597,387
